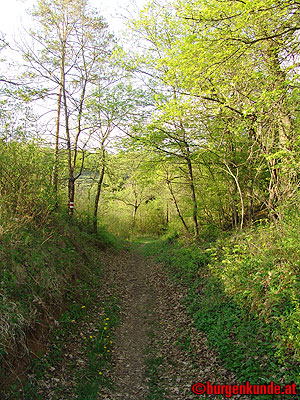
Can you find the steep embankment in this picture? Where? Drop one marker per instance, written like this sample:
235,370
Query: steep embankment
45,265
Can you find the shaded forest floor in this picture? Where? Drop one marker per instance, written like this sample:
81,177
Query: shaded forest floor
132,339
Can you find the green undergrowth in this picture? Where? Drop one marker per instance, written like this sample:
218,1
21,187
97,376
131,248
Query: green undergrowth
244,294
43,263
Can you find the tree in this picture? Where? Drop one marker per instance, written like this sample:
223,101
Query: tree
169,178
132,182
73,44
111,109
239,55
232,62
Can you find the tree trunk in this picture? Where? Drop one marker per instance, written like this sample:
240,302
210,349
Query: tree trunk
167,214
193,193
96,205
71,194
281,172
250,203
176,206
71,186
135,208
55,166
236,188
234,214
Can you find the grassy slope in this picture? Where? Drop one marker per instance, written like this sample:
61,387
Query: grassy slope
42,268
243,295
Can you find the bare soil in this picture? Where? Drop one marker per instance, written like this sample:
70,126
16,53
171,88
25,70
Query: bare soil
150,302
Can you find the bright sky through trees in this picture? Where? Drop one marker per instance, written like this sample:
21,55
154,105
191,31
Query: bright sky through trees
13,13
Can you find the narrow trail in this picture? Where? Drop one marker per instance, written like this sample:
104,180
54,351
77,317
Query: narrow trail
128,273
152,316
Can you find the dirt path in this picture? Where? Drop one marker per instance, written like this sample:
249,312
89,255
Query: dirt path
128,272
153,317
156,352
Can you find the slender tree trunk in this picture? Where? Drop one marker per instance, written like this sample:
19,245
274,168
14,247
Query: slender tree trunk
238,188
99,186
82,98
89,206
71,183
194,199
167,214
282,174
71,194
71,179
176,206
59,101
273,187
234,214
187,156
250,203
135,208
55,166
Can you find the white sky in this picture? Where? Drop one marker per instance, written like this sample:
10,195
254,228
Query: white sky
13,18
13,13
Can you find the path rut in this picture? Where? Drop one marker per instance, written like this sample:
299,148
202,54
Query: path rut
129,274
